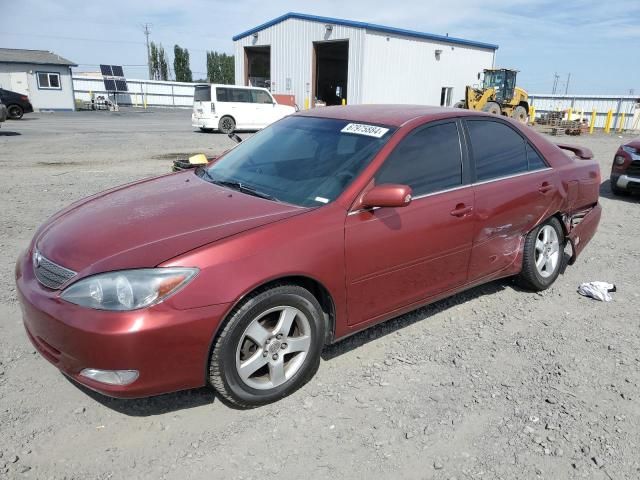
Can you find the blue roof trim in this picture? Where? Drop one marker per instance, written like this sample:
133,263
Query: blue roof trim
369,26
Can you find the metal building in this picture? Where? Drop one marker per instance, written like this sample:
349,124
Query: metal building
44,76
328,60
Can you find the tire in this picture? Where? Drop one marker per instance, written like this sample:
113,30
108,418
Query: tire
546,241
492,108
15,112
227,125
247,366
206,130
615,190
520,114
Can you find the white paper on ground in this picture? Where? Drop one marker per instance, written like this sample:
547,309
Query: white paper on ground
597,290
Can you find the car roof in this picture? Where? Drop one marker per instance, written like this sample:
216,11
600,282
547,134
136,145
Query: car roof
386,114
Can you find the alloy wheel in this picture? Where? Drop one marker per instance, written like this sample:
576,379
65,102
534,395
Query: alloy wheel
547,252
273,347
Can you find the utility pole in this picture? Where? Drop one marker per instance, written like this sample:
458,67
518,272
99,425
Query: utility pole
146,32
555,82
566,87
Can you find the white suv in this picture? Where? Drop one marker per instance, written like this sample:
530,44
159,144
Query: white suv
227,108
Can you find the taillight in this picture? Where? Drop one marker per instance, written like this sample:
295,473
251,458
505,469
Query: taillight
24,97
213,107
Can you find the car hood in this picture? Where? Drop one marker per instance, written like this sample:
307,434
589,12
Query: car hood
146,223
635,143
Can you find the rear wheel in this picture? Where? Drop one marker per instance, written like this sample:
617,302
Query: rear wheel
520,114
15,112
543,256
269,347
492,108
227,125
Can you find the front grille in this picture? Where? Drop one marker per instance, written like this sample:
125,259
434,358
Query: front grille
633,169
50,274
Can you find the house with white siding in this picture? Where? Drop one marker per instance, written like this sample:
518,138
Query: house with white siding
44,76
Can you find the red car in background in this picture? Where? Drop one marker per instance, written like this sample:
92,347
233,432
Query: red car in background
625,170
329,221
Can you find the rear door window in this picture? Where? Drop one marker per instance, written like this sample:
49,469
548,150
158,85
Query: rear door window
202,93
497,150
260,96
428,160
240,95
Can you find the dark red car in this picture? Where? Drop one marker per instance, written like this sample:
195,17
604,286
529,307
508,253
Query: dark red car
625,170
327,222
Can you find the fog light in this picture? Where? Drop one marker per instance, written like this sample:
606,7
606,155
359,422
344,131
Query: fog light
111,377
619,160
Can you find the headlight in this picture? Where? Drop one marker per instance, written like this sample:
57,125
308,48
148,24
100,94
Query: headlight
634,152
128,289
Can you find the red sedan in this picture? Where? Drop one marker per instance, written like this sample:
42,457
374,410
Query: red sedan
625,170
329,221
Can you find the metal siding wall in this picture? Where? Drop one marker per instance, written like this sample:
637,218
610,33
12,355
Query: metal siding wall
587,103
291,44
405,70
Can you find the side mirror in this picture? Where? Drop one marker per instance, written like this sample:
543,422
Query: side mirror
387,195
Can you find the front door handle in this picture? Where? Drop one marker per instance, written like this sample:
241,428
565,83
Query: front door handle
461,210
546,187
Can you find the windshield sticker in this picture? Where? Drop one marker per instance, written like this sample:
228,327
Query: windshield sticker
321,200
362,129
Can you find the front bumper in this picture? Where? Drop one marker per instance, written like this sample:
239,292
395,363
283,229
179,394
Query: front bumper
627,182
169,347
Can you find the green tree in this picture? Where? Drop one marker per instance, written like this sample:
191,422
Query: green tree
220,68
181,64
164,66
159,66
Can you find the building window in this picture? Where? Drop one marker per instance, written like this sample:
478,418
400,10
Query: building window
49,81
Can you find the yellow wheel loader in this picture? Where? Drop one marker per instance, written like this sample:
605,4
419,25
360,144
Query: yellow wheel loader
498,95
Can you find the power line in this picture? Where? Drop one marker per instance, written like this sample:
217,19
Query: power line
71,38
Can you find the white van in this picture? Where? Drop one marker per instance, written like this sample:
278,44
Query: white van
227,108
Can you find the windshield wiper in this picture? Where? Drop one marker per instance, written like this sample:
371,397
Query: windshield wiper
241,187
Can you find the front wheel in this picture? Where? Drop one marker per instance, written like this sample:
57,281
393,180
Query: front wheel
269,347
615,189
543,256
492,108
15,112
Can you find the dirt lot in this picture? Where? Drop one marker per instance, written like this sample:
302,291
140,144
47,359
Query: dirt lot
492,383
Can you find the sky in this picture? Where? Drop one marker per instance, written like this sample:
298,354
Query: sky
597,42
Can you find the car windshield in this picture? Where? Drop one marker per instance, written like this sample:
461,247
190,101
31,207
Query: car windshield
303,161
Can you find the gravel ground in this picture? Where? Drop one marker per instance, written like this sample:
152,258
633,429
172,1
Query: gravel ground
492,383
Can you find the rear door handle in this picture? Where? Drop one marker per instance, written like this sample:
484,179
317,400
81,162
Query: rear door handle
461,210
546,187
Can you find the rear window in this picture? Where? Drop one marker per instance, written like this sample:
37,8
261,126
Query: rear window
202,93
